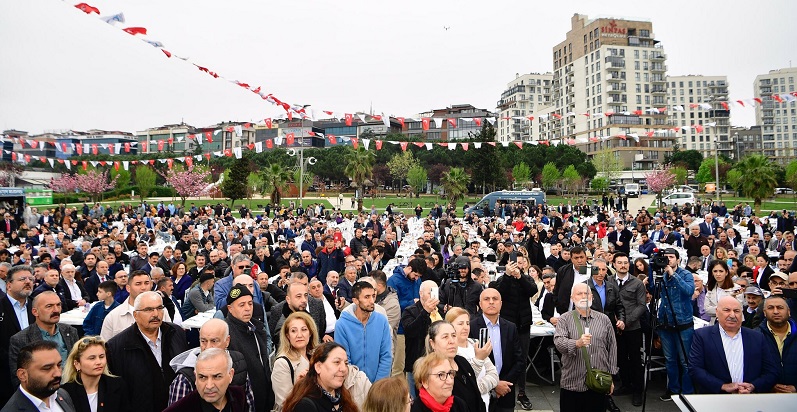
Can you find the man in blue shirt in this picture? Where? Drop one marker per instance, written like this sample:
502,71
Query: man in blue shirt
17,315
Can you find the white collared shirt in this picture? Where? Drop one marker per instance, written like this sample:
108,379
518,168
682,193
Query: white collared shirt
155,346
74,289
734,355
120,319
40,404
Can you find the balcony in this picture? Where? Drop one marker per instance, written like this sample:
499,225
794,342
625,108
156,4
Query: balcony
615,66
658,68
658,57
767,113
616,88
616,77
658,80
658,90
766,90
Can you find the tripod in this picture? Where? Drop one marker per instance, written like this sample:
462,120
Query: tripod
658,276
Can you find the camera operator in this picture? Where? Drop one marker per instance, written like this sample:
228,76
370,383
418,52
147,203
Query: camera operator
459,288
675,321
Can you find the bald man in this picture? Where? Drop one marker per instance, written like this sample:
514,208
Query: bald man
727,358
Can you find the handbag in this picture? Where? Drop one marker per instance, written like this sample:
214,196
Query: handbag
597,380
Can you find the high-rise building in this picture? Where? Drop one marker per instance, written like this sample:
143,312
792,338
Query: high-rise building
778,121
747,141
610,91
524,97
696,102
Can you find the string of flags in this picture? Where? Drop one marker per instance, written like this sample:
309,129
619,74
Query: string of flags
306,112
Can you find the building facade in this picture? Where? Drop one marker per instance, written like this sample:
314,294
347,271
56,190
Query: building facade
778,121
524,97
695,102
451,123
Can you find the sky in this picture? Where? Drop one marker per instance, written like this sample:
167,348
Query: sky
62,69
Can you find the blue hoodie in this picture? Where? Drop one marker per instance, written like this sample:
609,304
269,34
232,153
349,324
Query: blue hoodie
407,290
368,346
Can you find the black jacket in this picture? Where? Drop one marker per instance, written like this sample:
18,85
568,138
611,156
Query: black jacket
112,395
463,295
130,357
466,386
251,340
613,307
515,295
9,326
536,253
236,400
71,300
513,362
565,277
415,321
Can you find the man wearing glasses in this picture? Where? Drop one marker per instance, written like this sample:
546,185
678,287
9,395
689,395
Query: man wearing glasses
17,310
241,264
141,353
123,316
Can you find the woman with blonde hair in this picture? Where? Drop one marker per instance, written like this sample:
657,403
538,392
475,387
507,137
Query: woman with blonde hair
298,338
89,382
721,253
435,377
442,339
479,357
388,395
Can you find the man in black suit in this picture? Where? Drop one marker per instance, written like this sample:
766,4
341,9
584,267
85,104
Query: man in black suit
507,354
545,302
566,277
19,287
40,375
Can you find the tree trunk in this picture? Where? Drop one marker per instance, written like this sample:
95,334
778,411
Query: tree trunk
757,206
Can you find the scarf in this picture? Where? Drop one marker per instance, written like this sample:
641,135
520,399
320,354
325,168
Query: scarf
334,399
432,404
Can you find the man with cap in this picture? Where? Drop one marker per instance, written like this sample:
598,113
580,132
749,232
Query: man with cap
250,337
777,281
753,311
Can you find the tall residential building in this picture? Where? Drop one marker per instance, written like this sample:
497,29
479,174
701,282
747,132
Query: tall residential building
747,141
524,97
778,121
609,80
451,123
701,98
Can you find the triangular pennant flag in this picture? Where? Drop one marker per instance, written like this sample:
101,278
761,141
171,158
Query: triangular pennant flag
361,116
464,146
452,122
385,120
170,162
116,166
63,147
250,146
238,152
505,144
452,146
366,143
403,146
68,165
378,145
438,123
491,144
477,145
519,144
428,146
490,119
354,143
258,147
85,165
52,162
478,121
126,164
725,105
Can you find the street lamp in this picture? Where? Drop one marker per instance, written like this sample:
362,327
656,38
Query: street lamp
310,161
717,169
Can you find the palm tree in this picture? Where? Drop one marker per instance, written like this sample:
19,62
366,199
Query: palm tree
359,167
276,178
455,182
759,178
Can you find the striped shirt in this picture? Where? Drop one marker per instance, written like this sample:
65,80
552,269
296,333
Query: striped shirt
602,349
734,354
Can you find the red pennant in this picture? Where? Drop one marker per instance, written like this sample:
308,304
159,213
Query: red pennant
268,122
593,139
27,158
13,156
401,121
545,142
349,117
166,52
189,161
94,148
290,115
698,127
638,112
556,115
464,146
251,146
740,102
693,105
170,162
478,121
403,146
135,30
85,8
42,159
608,113
116,166
311,133
269,143
622,136
443,144
376,117
74,162
777,98
650,134
491,144
110,148
85,165
519,145
332,139
209,137
758,100
103,162
63,147
289,139
531,118
419,144
171,141
152,162
60,161
127,147
662,109
247,125
725,105
378,145
452,122
207,156
160,145
354,142
228,153
425,123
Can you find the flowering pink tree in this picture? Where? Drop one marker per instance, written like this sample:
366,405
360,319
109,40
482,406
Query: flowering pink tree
95,183
65,183
187,183
659,180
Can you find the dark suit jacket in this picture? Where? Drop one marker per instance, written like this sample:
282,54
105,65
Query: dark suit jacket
709,368
9,326
112,395
20,403
33,334
565,277
92,285
13,227
513,361
70,300
613,307
548,306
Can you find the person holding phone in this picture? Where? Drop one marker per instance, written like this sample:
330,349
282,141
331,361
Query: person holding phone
415,321
475,351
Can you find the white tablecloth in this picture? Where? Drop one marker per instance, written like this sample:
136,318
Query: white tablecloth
196,322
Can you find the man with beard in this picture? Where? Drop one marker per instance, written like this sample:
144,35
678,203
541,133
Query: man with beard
47,310
39,373
18,310
597,333
296,299
365,335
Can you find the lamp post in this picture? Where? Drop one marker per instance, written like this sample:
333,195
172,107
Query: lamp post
310,160
717,169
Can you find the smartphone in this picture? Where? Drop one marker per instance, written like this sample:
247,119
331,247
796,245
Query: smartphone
484,336
513,257
435,293
789,293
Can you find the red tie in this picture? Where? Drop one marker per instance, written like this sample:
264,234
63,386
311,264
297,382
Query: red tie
8,226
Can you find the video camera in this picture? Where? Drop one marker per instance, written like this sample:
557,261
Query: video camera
452,271
658,262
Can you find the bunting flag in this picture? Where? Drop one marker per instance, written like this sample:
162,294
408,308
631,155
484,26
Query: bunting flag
135,30
403,146
379,145
425,123
349,118
85,8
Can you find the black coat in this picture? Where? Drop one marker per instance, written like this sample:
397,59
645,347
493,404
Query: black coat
193,402
463,295
613,307
467,388
112,395
71,300
9,326
251,340
130,357
513,362
415,321
515,295
536,253
565,277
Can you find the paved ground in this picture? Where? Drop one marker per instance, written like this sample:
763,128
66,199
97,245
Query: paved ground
546,398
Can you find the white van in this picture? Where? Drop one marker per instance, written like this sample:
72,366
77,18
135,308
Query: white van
679,198
632,189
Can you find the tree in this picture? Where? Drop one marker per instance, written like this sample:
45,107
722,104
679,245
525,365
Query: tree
600,184
485,162
681,174
255,182
276,179
707,171
417,177
359,167
436,173
759,178
65,183
735,179
659,180
691,159
124,177
455,182
571,179
791,174
607,164
95,183
145,180
550,175
521,173
234,185
400,164
191,182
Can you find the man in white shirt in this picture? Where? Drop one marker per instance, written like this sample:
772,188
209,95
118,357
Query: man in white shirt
121,318
75,293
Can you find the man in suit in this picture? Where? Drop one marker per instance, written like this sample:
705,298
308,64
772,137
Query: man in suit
39,373
657,234
705,257
9,225
545,303
707,226
632,298
727,358
16,310
296,300
566,276
507,354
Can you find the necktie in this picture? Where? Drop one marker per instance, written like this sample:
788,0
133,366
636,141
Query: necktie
621,283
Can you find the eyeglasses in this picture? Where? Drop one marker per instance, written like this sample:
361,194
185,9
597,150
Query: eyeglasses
445,375
92,340
26,279
150,310
244,267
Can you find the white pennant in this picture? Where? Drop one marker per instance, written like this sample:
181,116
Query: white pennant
179,139
361,116
162,160
217,154
85,148
428,146
198,157
238,130
52,161
366,142
278,140
505,144
490,119
217,131
385,120
438,123
477,145
68,164
452,146
94,163
126,164
118,147
258,147
237,152
199,138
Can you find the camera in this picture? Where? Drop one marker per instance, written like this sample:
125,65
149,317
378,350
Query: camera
658,262
452,271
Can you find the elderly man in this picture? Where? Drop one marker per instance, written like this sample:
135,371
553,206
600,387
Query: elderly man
753,311
596,333
780,332
214,334
214,390
694,240
47,311
416,320
727,358
123,315
141,353
331,313
39,373
250,337
241,264
74,292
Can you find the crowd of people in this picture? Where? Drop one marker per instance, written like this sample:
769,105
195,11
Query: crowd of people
320,310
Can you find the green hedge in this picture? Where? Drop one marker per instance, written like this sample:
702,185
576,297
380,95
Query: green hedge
123,193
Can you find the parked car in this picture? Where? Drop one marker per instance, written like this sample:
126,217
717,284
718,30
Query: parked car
783,191
679,198
684,189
